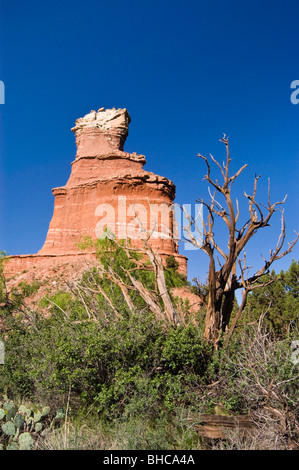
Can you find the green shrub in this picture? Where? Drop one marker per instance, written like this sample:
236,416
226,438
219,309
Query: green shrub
113,366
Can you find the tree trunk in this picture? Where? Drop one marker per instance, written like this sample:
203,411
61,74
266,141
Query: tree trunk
227,308
240,310
213,315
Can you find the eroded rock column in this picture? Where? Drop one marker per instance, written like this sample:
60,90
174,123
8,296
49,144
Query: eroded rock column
108,187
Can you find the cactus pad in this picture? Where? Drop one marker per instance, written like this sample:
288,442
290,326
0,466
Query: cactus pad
26,441
9,428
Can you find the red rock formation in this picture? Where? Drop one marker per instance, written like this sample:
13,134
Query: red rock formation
107,188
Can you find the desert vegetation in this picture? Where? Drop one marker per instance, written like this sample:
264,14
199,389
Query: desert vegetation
116,361
121,378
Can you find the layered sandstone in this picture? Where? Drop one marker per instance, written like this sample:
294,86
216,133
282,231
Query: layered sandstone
107,188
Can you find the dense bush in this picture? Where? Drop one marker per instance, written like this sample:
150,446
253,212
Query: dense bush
136,375
141,383
279,302
107,365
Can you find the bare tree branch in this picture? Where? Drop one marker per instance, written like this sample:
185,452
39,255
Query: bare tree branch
224,282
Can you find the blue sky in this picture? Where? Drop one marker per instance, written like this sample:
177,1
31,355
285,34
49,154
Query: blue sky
186,71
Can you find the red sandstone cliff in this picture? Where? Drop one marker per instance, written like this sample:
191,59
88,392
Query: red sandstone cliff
107,188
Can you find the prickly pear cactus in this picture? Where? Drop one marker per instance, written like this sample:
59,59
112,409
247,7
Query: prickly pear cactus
19,420
37,416
11,413
12,446
9,428
25,441
24,411
46,410
8,405
38,427
20,425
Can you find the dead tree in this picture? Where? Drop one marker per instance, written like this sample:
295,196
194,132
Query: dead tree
224,282
164,310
